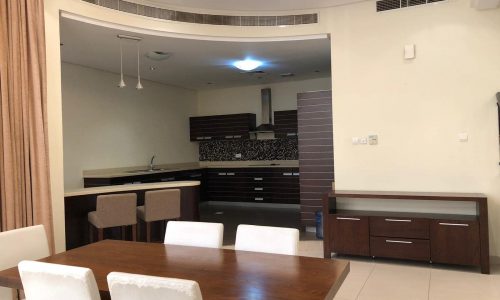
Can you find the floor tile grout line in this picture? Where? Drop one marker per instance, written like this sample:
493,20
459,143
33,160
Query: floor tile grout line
429,287
364,283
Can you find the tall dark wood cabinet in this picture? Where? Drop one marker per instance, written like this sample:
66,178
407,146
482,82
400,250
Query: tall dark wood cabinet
315,138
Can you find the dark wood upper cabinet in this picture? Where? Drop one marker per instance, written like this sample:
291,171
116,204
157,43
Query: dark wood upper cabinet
285,124
229,127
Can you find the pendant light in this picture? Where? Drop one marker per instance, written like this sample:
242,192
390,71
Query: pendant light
121,84
139,85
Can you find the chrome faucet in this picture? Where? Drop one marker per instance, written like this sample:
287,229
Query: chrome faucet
151,163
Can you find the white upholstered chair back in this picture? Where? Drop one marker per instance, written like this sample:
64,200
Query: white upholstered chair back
44,281
21,244
277,240
197,234
125,286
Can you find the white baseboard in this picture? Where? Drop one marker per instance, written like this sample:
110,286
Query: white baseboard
311,229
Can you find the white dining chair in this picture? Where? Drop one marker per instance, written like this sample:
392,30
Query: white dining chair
29,243
197,234
126,286
277,240
44,281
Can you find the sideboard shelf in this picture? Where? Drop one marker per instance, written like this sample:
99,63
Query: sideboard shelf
434,237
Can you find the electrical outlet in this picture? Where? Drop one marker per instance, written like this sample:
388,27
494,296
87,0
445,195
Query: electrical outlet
363,141
237,155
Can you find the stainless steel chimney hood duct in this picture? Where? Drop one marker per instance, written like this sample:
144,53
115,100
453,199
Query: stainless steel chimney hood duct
267,112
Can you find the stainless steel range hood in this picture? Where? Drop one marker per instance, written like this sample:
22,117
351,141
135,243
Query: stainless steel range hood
267,112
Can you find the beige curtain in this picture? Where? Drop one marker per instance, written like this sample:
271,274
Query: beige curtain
24,168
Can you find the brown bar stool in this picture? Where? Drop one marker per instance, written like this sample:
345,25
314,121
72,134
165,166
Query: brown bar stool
159,206
115,210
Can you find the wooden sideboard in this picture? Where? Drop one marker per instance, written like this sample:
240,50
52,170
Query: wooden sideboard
437,238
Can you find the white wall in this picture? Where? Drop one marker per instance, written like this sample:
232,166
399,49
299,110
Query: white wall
418,107
107,127
248,100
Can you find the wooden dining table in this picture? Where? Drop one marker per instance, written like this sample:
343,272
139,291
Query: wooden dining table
221,273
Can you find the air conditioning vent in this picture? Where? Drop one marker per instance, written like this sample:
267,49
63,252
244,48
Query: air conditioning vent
384,5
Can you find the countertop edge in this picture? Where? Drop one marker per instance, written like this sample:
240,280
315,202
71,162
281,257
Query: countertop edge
129,187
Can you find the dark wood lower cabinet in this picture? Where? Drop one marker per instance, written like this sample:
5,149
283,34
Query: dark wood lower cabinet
455,242
350,234
258,185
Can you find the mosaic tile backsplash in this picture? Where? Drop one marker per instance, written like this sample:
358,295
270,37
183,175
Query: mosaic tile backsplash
277,149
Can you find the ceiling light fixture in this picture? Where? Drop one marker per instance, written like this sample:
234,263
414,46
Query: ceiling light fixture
139,85
121,84
247,64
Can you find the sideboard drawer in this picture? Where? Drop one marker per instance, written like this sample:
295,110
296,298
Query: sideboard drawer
399,227
400,248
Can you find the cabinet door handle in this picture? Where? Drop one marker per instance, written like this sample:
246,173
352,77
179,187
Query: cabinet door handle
291,134
208,138
230,174
287,174
222,174
296,174
229,136
258,189
454,224
397,220
237,136
258,179
350,219
200,138
259,199
398,242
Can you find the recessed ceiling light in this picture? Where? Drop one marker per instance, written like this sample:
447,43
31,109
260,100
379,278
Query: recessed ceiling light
247,64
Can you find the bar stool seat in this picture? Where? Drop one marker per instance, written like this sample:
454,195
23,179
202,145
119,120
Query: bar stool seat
115,210
160,205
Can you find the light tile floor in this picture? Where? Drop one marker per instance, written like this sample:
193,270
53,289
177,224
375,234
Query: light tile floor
402,280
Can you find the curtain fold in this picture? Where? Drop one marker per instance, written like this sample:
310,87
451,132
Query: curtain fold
24,166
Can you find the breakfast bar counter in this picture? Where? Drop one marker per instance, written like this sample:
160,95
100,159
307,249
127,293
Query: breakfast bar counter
79,202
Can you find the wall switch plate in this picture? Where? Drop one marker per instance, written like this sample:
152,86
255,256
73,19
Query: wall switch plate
355,140
363,140
463,137
237,155
373,139
410,51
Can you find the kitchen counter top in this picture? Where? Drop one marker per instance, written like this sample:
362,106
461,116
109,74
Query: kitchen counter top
129,187
166,168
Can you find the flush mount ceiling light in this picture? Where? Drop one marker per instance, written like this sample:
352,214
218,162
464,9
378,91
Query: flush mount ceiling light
247,64
158,55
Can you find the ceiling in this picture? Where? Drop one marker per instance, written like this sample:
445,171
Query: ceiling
194,64
253,5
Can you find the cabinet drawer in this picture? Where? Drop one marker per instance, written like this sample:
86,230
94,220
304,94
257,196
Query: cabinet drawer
455,242
350,234
399,227
400,248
